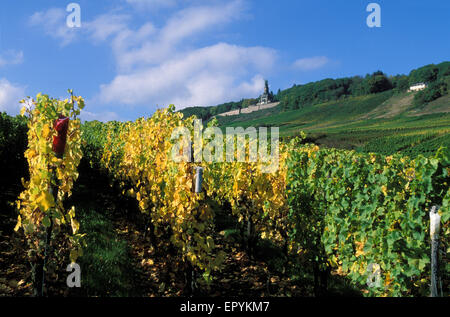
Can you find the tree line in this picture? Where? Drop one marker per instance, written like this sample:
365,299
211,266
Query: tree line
437,78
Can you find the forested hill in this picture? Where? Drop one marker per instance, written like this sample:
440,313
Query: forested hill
437,77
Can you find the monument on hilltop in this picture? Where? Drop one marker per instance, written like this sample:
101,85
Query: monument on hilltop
265,97
265,101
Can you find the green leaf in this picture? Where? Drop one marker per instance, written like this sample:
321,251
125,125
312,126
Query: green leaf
46,221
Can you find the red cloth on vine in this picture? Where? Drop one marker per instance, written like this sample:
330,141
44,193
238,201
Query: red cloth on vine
61,125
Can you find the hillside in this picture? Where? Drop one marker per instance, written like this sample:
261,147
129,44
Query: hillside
384,123
372,113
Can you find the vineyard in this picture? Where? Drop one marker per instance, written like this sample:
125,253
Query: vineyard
323,217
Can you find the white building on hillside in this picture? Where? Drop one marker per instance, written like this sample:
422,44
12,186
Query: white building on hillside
418,86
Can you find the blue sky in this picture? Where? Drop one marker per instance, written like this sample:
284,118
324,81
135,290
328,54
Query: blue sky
131,56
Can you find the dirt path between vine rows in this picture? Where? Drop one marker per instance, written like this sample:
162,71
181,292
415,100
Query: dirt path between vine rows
160,276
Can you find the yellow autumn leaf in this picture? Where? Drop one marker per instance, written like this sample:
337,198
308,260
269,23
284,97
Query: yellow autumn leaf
36,180
31,153
210,242
45,201
388,279
359,248
75,225
384,190
46,131
19,224
73,255
71,212
147,262
354,267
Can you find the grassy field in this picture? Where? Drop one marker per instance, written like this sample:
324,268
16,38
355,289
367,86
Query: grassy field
386,123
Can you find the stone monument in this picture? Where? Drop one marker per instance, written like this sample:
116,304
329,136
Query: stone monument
265,97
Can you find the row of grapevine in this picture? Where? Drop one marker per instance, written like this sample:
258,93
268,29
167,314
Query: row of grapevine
257,198
338,210
361,213
138,154
53,154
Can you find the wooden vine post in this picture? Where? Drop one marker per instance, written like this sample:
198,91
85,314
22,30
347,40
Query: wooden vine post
435,222
191,273
61,125
198,179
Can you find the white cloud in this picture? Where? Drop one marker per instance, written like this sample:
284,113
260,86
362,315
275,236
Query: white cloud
152,4
11,57
311,63
10,95
106,25
159,45
196,19
54,23
162,65
100,116
202,77
155,68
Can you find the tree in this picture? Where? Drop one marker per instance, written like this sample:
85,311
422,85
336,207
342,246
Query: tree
213,111
426,74
400,83
378,82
